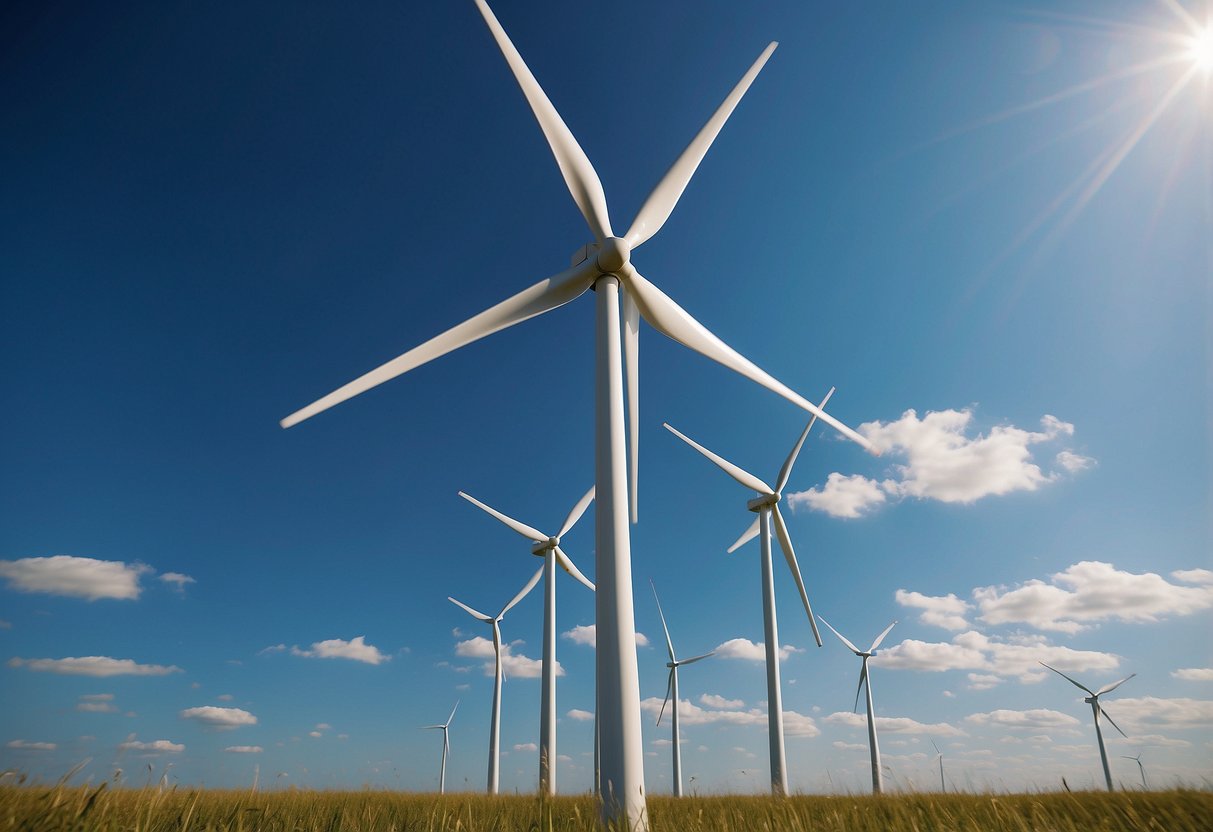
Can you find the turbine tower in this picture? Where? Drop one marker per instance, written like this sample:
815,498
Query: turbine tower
446,747
548,548
606,266
766,506
865,682
1137,760
1097,711
498,674
671,691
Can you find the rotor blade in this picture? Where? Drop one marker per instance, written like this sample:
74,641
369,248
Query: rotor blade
469,610
428,727
863,676
696,659
843,638
670,319
522,593
656,209
1114,725
564,561
542,297
631,368
522,528
785,473
1068,679
1114,685
576,512
669,644
669,688
742,476
579,174
452,716
789,554
746,536
880,637
498,664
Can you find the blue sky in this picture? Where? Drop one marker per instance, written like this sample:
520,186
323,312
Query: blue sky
212,216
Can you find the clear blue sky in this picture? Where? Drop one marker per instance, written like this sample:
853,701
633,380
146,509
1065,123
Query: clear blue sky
213,215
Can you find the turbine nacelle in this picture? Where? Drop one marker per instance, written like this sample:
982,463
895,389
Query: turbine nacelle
763,501
613,254
541,548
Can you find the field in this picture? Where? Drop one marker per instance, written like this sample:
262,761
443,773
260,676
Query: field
39,809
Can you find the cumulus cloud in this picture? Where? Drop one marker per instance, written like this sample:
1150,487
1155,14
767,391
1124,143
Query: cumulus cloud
31,746
94,666
794,724
1093,591
1193,674
945,611
356,649
221,719
894,724
586,634
1073,462
746,650
841,496
578,715
513,664
153,747
714,701
74,577
244,749
1017,656
97,703
526,746
177,580
1137,715
1036,719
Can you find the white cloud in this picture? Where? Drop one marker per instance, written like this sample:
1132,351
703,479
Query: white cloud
1088,592
355,649
1036,719
983,681
177,579
75,577
225,697
1073,462
1162,714
1193,576
849,746
746,650
94,666
244,749
714,701
97,697
1193,674
315,734
945,611
526,746
841,496
97,707
1147,740
154,747
514,665
586,634
221,719
794,724
1017,656
578,715
894,724
31,746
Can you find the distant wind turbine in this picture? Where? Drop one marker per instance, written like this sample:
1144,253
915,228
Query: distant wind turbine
548,548
498,673
766,506
939,754
865,683
1137,760
671,691
1097,711
446,747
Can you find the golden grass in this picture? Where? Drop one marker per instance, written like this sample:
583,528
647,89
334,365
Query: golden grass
47,808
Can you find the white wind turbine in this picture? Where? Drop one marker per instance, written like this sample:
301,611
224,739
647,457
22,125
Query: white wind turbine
446,746
865,682
1097,711
671,692
498,674
548,548
939,756
1137,760
604,265
766,505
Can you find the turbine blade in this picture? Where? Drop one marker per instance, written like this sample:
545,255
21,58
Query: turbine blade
631,368
469,610
522,528
742,476
564,561
579,174
1113,724
785,473
542,297
696,659
670,319
668,643
452,716
660,203
1114,685
576,512
880,637
1067,678
746,536
522,593
863,677
669,688
499,665
428,727
842,638
789,554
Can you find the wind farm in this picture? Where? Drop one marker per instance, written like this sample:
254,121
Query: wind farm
236,587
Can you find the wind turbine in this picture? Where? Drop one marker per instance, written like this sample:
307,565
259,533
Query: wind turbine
865,682
1096,711
495,621
939,756
446,746
548,548
671,691
606,266
1137,760
766,505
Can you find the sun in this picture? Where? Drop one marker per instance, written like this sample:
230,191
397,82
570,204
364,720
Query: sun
1200,49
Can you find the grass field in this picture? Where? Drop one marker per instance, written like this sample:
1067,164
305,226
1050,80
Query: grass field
39,808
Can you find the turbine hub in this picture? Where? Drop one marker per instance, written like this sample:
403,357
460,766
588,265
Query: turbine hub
613,255
544,546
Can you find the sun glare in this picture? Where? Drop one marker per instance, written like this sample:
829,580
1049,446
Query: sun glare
1200,50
